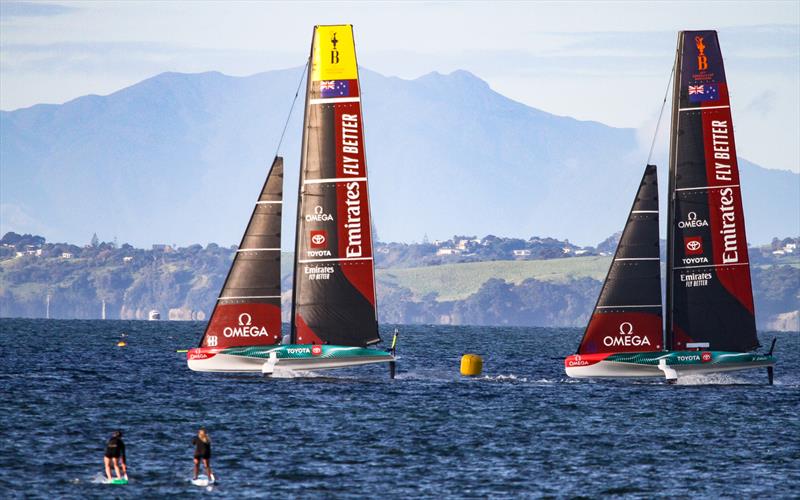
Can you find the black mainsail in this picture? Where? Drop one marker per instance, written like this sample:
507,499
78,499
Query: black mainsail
334,287
709,295
627,316
248,310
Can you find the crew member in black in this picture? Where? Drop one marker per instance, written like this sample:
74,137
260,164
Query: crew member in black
202,451
115,453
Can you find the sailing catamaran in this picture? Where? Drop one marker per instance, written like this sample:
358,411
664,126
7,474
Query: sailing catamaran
334,317
710,320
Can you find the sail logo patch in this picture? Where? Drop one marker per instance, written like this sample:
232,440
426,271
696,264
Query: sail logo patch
702,60
334,52
335,88
319,239
319,215
318,273
626,337
705,357
212,341
245,328
693,245
352,166
316,350
691,280
692,221
703,93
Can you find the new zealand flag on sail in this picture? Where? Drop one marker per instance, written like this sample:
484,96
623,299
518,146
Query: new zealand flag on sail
703,92
334,88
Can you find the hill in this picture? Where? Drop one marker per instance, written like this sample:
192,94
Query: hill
177,159
451,282
183,283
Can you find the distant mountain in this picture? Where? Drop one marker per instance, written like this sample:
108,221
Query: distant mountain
178,158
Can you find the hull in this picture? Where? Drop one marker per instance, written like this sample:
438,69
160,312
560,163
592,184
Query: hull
263,359
662,364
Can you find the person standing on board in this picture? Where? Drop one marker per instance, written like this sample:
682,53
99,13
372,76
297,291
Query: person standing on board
115,453
202,451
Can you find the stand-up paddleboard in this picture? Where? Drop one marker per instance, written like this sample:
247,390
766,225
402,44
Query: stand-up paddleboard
710,320
203,480
121,480
334,320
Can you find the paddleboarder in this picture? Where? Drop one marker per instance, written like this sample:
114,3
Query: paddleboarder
115,454
202,451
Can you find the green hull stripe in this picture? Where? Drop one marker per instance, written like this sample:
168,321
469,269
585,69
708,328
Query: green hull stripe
296,351
690,357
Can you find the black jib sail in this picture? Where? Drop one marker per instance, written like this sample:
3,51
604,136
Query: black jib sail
709,296
334,288
627,317
248,311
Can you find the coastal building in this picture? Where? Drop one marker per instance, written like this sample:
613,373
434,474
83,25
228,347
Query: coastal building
448,251
522,253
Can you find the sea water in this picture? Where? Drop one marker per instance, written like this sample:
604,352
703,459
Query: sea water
522,429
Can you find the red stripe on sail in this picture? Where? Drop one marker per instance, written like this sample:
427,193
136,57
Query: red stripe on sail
728,236
235,325
305,335
622,332
352,201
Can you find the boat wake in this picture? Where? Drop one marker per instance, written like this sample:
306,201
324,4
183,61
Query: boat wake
715,379
289,373
503,378
98,478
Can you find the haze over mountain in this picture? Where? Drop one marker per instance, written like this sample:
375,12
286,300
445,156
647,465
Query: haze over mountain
179,158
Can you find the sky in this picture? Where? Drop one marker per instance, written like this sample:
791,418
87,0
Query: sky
603,61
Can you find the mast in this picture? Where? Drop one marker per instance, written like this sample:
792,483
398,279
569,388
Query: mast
709,294
333,296
248,310
627,316
303,149
673,143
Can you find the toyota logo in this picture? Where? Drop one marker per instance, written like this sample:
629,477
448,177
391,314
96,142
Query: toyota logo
693,245
318,239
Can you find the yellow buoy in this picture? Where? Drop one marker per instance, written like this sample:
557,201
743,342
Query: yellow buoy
121,343
471,365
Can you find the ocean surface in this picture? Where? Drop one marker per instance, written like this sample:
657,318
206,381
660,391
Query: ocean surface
522,429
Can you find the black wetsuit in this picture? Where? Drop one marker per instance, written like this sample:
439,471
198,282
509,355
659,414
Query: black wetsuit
115,448
202,449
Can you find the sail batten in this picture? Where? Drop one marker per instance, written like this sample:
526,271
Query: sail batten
709,294
334,290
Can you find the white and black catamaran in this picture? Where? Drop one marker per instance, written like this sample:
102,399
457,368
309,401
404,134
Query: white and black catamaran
334,317
710,320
